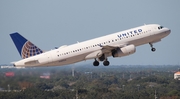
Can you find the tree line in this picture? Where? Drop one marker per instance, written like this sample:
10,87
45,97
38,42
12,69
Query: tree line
90,83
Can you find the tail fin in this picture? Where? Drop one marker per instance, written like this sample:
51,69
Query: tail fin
25,48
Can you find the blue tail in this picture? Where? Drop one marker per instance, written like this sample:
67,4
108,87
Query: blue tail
25,48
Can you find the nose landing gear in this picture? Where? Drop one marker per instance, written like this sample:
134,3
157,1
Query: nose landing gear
152,48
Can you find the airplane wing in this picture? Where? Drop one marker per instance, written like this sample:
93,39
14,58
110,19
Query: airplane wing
104,50
109,48
94,54
112,46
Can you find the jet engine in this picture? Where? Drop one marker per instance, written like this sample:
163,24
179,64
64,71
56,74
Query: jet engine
123,51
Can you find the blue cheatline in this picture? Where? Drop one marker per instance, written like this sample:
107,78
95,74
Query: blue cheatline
25,48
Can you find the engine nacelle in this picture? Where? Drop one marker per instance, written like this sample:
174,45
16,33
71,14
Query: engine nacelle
124,51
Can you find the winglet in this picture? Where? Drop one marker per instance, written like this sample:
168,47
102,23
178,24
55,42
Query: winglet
25,48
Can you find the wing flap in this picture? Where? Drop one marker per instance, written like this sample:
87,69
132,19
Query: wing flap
95,54
110,47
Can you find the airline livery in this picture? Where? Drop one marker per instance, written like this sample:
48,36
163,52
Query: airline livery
116,45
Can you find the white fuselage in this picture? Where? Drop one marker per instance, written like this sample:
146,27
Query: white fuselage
79,51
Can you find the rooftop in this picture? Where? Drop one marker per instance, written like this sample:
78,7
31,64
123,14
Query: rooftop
177,72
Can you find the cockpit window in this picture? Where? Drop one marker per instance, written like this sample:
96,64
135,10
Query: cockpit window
160,27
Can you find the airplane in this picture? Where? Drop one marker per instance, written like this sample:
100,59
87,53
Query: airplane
118,44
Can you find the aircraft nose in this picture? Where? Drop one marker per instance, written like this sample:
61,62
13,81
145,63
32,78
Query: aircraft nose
167,31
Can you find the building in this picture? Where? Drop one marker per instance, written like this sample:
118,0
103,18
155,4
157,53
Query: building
9,67
45,76
9,74
177,75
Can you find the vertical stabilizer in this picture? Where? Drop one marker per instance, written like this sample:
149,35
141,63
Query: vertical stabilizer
25,48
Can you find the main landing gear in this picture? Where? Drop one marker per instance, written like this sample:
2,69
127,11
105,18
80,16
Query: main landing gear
105,62
96,63
152,48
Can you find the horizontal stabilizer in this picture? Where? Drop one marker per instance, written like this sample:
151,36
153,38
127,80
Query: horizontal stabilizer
31,62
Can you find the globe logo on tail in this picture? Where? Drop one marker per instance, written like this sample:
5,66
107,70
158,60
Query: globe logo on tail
29,50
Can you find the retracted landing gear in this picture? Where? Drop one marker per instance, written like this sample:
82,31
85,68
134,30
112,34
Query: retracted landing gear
96,63
152,48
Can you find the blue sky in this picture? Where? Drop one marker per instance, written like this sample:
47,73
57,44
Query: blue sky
52,23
